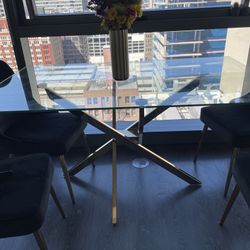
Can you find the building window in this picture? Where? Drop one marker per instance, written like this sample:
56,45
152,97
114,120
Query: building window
95,100
89,100
126,99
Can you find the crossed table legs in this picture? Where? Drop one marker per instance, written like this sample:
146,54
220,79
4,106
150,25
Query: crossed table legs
119,137
128,139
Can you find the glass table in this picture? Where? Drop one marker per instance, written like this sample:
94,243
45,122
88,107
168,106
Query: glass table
80,89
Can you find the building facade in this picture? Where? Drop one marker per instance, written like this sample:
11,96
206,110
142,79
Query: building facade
182,55
6,48
62,6
96,44
44,50
75,49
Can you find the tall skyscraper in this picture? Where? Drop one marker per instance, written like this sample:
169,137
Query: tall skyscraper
6,48
182,55
75,48
44,50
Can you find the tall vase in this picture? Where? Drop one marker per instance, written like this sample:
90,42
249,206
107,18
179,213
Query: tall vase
119,54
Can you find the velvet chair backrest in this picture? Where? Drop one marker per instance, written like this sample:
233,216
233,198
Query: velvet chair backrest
5,71
6,119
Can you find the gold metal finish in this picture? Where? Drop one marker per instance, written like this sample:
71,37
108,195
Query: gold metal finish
114,162
90,158
87,148
229,174
40,240
205,128
114,182
67,177
58,204
138,148
230,204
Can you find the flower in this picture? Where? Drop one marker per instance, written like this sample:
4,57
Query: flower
116,14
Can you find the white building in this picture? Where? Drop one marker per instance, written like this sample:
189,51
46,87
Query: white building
96,44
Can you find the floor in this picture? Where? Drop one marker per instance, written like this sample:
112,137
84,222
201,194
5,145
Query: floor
157,211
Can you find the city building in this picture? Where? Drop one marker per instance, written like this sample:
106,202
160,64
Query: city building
6,48
2,12
75,49
87,86
136,47
184,54
173,4
55,7
44,50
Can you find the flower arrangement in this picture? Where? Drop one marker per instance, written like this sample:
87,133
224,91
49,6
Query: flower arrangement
116,14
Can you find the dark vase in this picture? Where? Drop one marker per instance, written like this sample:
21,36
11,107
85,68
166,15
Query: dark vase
119,54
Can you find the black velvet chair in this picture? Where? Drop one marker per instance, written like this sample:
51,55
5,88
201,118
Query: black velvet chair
241,173
230,122
5,71
51,133
25,185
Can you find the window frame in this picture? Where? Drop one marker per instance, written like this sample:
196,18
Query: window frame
151,21
88,24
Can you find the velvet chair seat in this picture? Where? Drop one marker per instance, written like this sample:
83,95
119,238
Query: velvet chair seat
52,133
232,123
24,194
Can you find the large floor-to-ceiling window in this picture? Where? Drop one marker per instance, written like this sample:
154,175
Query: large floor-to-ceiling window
174,42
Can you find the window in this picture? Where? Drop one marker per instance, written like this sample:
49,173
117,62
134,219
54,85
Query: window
160,61
126,99
89,100
54,7
177,4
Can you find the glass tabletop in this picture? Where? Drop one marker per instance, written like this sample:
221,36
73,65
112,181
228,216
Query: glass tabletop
151,84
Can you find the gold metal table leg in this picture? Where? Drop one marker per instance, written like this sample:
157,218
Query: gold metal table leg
114,182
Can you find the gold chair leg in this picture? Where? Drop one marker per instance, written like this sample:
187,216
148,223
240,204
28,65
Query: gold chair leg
67,177
114,182
40,240
88,149
58,204
229,174
205,128
230,204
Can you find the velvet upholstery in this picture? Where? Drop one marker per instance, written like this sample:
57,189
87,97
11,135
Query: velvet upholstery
52,133
5,71
241,173
24,194
232,123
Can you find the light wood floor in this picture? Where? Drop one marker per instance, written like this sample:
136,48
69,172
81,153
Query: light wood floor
157,211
